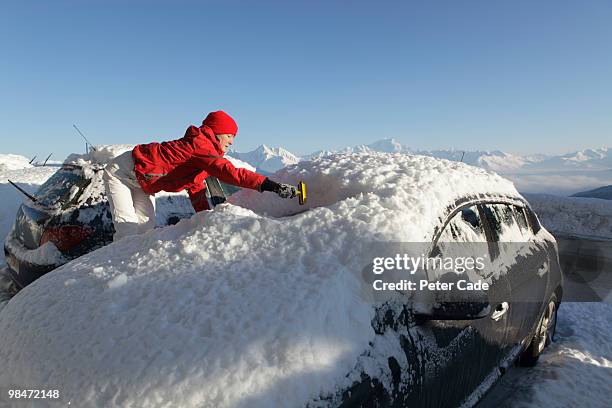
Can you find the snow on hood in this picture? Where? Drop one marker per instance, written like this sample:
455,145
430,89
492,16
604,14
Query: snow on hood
231,307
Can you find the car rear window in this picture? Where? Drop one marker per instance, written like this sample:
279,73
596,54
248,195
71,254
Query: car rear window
61,188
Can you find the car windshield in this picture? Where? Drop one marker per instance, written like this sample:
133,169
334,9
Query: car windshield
61,188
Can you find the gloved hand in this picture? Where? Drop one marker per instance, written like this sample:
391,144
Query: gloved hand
283,190
286,191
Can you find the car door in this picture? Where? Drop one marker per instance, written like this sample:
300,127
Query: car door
473,348
444,360
523,260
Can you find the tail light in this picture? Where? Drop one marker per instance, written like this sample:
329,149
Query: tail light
66,237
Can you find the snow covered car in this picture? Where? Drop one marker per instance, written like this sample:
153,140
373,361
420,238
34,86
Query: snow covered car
262,302
69,216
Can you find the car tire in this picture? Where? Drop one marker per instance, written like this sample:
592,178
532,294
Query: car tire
543,336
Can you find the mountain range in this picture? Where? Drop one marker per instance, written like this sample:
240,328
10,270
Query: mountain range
269,160
266,159
604,193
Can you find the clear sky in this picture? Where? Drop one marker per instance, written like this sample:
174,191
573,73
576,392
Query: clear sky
520,76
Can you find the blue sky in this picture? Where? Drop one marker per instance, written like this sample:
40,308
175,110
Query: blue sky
519,76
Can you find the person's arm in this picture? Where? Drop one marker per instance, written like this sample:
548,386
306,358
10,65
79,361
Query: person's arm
225,171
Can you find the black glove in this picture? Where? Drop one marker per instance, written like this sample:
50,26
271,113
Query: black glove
283,190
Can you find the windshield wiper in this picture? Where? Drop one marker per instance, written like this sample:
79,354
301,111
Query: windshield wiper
30,196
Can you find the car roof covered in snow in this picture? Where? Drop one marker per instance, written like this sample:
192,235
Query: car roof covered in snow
240,306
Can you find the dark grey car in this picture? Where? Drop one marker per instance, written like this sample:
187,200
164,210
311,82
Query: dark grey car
455,351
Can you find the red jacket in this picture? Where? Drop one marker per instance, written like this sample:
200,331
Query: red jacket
185,163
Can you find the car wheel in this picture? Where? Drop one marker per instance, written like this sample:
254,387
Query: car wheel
543,335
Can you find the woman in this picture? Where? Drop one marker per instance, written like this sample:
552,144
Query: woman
133,177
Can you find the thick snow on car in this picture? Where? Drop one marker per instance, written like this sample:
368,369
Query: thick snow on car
263,303
69,216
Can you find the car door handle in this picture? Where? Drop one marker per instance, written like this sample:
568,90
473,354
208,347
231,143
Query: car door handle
500,310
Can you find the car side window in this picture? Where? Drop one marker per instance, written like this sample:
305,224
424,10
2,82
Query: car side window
463,238
505,226
465,226
521,220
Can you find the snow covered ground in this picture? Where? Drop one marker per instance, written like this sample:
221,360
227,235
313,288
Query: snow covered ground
587,217
159,271
575,371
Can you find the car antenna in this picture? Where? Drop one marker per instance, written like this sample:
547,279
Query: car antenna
30,196
462,154
83,136
47,159
33,158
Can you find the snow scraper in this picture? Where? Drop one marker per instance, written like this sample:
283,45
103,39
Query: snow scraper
301,187
214,192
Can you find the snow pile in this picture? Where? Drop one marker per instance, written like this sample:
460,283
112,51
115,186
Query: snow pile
13,162
233,307
587,217
390,183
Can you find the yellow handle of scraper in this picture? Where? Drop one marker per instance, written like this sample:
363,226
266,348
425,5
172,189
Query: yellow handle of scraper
301,187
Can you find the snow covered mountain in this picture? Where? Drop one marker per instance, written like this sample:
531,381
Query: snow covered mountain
491,160
267,159
587,159
384,145
537,173
496,160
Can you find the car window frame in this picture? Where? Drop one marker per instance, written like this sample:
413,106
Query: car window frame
479,201
471,201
